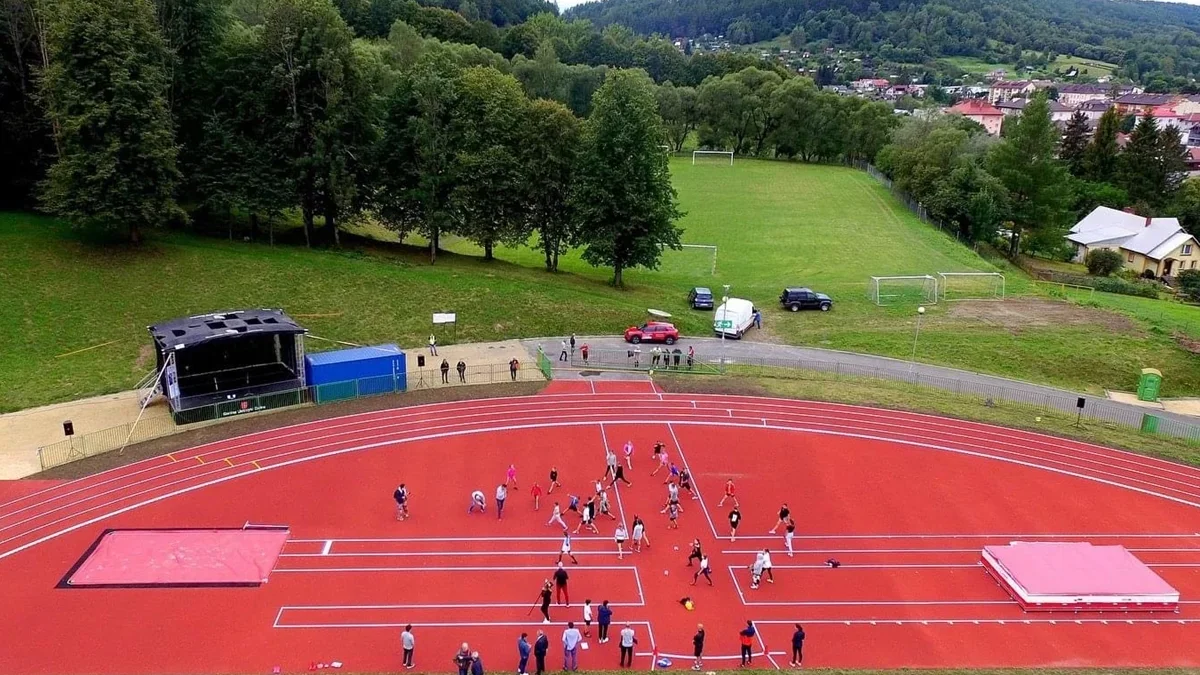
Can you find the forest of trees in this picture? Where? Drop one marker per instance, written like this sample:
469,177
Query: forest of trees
1153,42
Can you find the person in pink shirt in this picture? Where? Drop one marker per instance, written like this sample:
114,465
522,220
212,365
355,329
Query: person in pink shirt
511,476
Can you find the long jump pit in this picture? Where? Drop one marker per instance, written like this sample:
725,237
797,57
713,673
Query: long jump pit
1077,576
179,558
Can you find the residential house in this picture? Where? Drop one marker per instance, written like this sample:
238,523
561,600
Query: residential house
998,74
1187,105
1141,104
980,111
1189,128
1058,111
1075,94
870,84
1156,247
1093,109
1165,116
1005,90
1193,162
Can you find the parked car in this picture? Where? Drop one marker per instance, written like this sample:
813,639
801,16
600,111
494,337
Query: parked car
700,298
733,318
796,299
652,331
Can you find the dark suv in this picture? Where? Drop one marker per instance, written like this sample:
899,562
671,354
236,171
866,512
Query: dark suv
700,298
796,299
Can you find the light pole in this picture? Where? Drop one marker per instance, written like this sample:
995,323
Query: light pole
916,334
724,325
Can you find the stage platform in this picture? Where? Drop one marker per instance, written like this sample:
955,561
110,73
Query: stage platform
1077,576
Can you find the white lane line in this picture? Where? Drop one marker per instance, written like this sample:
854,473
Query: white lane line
695,481
417,540
1194,535
532,568
616,488
443,554
469,605
981,621
324,549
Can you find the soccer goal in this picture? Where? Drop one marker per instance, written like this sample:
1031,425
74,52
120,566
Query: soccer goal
900,290
971,285
706,155
694,260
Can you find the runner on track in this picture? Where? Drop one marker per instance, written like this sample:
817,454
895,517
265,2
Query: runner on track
589,517
556,517
696,553
704,569
784,514
401,497
604,506
639,535
685,482
566,550
735,519
790,532
553,480
619,534
729,494
660,454
536,492
629,454
619,475
766,561
510,476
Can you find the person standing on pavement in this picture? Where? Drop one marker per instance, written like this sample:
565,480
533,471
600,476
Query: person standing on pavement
571,639
513,367
432,345
603,619
797,647
445,368
562,355
523,651
627,643
698,647
462,371
572,344
540,646
408,643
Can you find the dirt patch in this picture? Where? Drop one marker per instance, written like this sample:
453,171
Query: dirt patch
1019,313
704,384
1188,343
144,358
234,428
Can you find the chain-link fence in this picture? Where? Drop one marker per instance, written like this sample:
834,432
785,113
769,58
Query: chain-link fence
644,358
159,425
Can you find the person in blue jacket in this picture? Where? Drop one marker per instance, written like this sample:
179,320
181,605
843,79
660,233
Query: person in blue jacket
797,647
523,650
747,639
603,619
476,664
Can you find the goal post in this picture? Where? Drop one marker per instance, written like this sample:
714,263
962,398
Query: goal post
906,289
706,153
687,261
971,286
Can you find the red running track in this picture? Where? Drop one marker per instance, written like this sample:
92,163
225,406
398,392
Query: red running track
905,501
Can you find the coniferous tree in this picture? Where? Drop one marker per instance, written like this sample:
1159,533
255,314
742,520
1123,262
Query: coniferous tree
1074,143
1100,158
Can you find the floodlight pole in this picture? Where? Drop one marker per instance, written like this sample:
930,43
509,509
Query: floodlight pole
916,333
724,327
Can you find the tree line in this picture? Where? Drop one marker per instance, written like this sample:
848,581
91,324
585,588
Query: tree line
1036,180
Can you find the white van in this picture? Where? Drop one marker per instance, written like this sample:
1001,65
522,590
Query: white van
733,318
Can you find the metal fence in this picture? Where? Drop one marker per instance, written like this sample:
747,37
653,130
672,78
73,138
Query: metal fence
987,393
165,424
917,208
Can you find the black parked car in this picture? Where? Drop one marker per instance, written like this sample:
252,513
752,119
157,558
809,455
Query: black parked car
796,299
700,298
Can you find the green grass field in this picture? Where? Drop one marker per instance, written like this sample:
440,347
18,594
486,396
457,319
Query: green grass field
774,223
976,66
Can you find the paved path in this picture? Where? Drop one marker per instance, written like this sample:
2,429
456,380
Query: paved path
611,351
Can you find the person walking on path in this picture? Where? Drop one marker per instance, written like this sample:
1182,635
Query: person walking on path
555,517
540,646
704,569
637,356
432,345
691,357
523,652
408,643
571,639
544,601
627,642
513,367
462,371
603,620
747,639
698,647
620,535
655,354
797,647
536,492
583,351
501,495
445,367
463,659
561,591
572,344
562,355
758,319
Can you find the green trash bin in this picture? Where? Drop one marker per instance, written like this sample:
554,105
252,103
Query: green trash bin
1149,384
1149,424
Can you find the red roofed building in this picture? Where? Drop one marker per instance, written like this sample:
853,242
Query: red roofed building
980,111
1166,116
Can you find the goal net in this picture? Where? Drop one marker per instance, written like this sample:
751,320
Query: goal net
712,157
971,285
903,290
694,260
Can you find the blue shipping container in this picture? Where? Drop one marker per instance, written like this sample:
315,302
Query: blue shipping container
361,371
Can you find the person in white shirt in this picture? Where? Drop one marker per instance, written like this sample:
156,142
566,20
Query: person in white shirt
571,639
627,643
478,501
620,534
629,454
556,517
587,618
501,495
766,560
408,643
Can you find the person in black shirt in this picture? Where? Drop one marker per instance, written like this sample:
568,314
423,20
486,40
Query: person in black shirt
463,660
446,380
698,647
560,585
695,554
735,519
544,599
541,646
553,480
784,514
797,647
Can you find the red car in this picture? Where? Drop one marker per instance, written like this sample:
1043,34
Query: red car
653,331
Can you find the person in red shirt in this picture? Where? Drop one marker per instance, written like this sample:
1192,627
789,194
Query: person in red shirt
583,351
729,494
536,493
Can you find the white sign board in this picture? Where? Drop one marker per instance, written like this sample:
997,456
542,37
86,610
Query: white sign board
443,317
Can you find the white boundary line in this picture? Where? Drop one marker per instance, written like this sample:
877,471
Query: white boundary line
469,605
555,424
531,568
616,488
417,540
770,655
689,657
978,622
857,603
823,551
445,624
1140,535
695,481
441,554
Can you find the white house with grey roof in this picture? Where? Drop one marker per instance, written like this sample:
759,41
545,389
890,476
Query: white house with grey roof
1157,246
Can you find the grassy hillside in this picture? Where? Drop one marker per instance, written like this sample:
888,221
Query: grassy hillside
775,224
